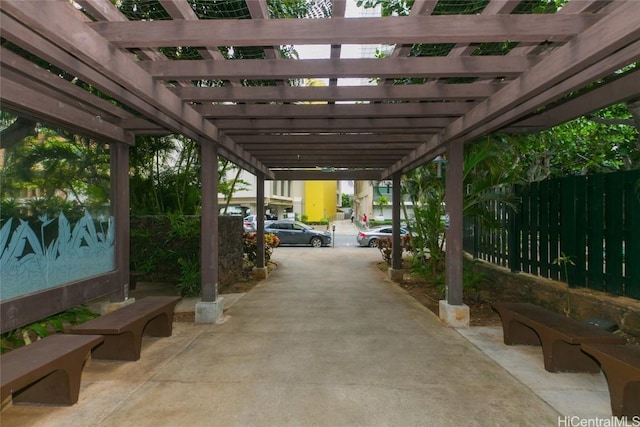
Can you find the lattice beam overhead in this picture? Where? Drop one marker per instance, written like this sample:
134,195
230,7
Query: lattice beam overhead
396,30
214,72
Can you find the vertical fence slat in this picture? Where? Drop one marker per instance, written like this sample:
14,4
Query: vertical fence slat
632,234
534,236
543,246
504,235
580,268
595,227
613,233
525,224
554,227
515,234
567,230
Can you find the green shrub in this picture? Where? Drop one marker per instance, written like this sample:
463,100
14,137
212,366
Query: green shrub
51,325
190,281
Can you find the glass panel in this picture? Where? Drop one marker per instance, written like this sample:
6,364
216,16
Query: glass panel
55,222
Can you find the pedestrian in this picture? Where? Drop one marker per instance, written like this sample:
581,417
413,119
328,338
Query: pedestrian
353,215
364,220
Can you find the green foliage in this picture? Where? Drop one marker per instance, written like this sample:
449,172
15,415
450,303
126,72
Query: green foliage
37,208
190,282
346,200
59,165
486,170
382,201
385,246
158,243
606,142
304,218
564,261
299,9
472,281
467,7
426,192
165,176
250,250
45,327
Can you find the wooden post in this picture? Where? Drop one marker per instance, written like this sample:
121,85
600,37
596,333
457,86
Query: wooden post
209,222
453,201
119,165
396,197
260,261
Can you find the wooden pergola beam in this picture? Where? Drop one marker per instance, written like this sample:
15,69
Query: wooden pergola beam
465,91
338,31
265,69
400,110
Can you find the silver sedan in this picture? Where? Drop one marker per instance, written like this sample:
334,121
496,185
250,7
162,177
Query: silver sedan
370,237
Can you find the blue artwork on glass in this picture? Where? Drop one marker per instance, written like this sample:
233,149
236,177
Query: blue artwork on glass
31,260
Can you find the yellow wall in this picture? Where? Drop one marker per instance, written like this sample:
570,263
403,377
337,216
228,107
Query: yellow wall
320,199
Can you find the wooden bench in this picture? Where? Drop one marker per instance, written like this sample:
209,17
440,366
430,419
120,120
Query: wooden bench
123,328
621,367
559,336
47,371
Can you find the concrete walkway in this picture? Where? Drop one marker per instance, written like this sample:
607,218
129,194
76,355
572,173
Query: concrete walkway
326,340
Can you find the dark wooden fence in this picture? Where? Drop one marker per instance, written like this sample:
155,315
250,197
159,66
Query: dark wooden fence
582,230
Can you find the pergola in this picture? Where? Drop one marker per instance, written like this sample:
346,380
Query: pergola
558,66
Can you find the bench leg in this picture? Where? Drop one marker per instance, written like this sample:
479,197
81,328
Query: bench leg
160,326
125,346
518,333
624,391
560,356
61,387
630,400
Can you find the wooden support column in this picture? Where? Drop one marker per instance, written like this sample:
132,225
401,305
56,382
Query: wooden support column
452,310
453,202
396,272
260,261
209,222
119,169
260,271
396,200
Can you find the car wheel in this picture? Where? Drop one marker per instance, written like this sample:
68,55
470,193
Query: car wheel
373,243
316,242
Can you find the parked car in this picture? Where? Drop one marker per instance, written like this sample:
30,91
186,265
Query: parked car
296,233
252,219
370,237
248,227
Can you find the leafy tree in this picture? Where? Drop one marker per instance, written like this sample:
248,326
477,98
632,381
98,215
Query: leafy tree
382,201
58,164
486,171
347,200
604,142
